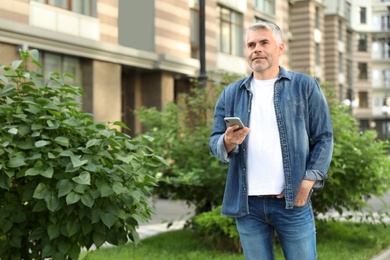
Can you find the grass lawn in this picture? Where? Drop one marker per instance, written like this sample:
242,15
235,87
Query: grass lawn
335,241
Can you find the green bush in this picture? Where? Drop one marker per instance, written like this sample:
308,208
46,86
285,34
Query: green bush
218,230
65,181
360,164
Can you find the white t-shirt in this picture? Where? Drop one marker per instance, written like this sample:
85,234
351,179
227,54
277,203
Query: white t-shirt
265,163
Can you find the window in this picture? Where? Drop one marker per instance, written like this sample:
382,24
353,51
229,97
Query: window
63,64
317,17
230,32
362,70
341,34
53,62
362,42
348,12
386,78
363,14
194,7
267,6
363,99
341,63
385,22
318,55
386,50
86,7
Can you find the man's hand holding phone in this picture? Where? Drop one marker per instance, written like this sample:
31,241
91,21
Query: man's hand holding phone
235,133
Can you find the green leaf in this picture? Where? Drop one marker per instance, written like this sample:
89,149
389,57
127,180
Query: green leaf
48,251
17,161
72,227
37,234
76,161
6,226
108,219
98,239
48,173
126,159
4,79
34,171
53,231
64,187
35,127
64,247
62,140
7,88
41,191
87,200
121,124
83,178
52,202
39,83
118,188
72,198
24,130
106,190
15,64
41,143
34,54
5,181
13,131
93,142
39,206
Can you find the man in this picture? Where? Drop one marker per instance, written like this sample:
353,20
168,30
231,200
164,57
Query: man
280,157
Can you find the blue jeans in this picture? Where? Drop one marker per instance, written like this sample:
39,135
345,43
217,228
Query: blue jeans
295,229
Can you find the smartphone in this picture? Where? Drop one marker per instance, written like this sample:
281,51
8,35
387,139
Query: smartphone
234,121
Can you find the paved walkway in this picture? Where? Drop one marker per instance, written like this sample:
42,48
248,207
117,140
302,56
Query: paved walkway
170,215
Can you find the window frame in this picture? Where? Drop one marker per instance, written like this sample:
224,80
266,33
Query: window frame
266,6
363,15
69,6
362,42
235,42
363,70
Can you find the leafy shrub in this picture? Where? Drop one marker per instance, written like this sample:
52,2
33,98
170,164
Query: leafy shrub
360,164
218,230
65,181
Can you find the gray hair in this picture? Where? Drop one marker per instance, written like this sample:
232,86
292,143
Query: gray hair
277,33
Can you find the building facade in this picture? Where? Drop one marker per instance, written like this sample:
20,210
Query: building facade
128,54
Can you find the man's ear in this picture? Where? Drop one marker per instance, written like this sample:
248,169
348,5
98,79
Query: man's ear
281,48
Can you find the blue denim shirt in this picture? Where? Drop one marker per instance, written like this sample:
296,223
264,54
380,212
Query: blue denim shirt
305,129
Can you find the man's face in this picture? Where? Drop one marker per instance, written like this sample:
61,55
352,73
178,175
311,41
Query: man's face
262,52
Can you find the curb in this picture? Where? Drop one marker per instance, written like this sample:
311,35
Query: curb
148,230
384,255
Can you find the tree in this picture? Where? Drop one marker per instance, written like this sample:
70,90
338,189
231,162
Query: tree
66,182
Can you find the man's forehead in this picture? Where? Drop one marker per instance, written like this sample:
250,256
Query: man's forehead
259,35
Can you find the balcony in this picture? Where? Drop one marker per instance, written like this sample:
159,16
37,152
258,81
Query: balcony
63,21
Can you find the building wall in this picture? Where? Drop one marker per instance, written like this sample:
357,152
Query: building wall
108,20
15,10
172,25
302,44
107,105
